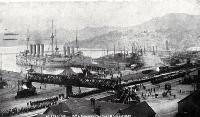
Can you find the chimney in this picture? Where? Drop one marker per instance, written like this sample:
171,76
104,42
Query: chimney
124,53
68,51
72,50
42,49
98,110
132,50
64,50
114,50
38,50
153,51
31,49
167,45
34,50
92,100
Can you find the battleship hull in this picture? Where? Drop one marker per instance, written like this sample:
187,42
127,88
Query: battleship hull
55,62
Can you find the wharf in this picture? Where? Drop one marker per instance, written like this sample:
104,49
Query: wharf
53,89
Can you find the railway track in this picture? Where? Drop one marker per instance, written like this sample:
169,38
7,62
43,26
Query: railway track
10,99
11,91
167,76
13,78
160,77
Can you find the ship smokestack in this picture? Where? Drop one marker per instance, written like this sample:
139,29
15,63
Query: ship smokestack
167,45
68,51
42,49
114,50
34,50
72,50
153,51
38,50
31,49
64,50
132,50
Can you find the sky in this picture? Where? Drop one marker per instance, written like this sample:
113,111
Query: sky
37,15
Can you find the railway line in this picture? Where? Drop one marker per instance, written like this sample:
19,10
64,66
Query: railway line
13,79
108,84
99,83
58,79
10,91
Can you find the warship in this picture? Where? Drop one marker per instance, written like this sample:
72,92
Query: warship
35,55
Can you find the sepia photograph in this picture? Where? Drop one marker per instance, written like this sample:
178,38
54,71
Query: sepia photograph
99,58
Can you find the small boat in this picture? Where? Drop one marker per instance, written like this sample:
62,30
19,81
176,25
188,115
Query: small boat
10,35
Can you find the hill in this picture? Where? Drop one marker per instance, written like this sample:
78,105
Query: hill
181,31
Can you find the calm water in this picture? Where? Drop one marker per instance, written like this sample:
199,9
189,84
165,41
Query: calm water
8,57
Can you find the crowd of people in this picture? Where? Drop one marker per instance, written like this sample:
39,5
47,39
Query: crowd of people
153,92
31,106
39,102
149,92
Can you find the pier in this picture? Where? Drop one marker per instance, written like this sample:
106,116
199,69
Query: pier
75,80
104,84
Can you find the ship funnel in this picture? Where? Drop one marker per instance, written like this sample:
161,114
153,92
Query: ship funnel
72,50
38,50
42,49
34,50
68,51
64,50
31,49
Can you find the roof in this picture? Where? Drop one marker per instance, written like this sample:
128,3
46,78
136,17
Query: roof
194,97
68,71
40,115
139,74
54,72
60,109
140,110
83,107
193,49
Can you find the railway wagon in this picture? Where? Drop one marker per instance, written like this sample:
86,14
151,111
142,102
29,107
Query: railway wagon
167,76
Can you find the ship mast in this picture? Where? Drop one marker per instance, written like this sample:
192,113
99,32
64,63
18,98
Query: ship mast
76,41
27,38
56,43
52,37
1,60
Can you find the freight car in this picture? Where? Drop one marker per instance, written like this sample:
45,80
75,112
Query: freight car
167,76
164,69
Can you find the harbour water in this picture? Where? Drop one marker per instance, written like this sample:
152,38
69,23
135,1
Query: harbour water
8,56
